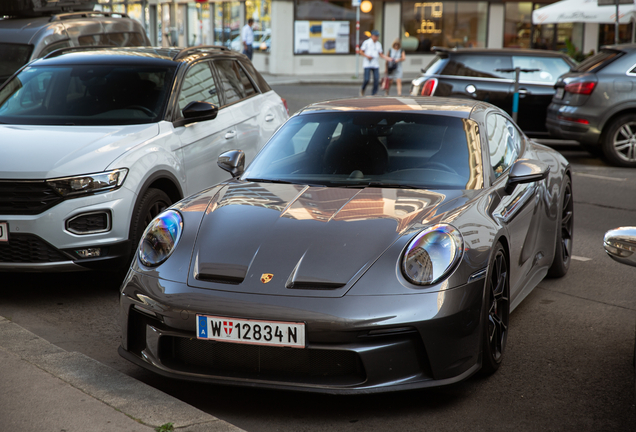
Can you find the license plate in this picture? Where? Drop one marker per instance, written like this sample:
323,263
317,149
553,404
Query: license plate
559,93
251,332
4,232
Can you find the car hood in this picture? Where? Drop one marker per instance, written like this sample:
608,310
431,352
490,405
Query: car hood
40,152
313,241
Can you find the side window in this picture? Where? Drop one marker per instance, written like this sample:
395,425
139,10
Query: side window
235,83
549,68
480,66
198,85
503,142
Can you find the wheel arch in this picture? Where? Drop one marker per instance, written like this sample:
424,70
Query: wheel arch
613,115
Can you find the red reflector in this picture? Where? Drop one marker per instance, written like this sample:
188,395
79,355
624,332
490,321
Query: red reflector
429,87
285,103
573,119
584,88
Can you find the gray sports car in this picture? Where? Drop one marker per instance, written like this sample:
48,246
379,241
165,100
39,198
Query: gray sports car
374,244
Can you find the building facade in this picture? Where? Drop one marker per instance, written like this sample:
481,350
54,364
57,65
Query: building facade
303,37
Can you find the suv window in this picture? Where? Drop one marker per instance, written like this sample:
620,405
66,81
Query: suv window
480,66
198,85
503,141
13,56
550,68
234,82
115,39
599,61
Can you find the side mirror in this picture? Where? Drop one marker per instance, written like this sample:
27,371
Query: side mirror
526,171
232,161
197,111
620,245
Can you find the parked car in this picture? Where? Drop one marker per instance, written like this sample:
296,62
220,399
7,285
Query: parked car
596,105
262,41
374,244
23,39
97,142
478,74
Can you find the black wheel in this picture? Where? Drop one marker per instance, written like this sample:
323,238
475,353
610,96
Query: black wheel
153,202
565,234
497,311
619,141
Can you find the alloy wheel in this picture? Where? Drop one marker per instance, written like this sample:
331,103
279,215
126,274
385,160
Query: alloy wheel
567,224
624,142
499,307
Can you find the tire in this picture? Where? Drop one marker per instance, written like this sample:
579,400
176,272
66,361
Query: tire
565,234
619,141
153,202
496,312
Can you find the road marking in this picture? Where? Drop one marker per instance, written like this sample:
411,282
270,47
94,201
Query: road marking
600,177
578,258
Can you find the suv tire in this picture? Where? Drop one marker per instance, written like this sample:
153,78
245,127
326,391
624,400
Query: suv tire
153,202
619,141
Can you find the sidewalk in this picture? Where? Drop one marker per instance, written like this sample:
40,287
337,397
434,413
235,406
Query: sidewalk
44,388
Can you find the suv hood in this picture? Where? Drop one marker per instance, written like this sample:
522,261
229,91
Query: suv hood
43,152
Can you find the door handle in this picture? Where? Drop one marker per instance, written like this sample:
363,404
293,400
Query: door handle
230,135
523,92
269,117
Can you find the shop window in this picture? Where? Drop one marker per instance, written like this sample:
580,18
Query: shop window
447,24
198,25
329,27
606,34
259,10
565,37
227,24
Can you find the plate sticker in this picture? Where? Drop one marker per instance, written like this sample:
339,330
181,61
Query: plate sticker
4,231
251,332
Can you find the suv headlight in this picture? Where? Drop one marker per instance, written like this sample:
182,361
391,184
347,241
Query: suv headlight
160,238
432,254
89,183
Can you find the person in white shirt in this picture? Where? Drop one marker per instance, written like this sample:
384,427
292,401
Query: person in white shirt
371,50
247,36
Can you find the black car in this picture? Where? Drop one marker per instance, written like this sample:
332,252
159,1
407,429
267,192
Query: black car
480,74
595,104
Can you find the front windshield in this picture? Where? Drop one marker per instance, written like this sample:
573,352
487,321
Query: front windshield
86,95
372,149
13,56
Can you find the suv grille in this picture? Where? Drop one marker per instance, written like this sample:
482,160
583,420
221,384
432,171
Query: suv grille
26,197
29,248
309,366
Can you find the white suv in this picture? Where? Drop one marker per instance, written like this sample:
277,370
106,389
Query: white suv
96,142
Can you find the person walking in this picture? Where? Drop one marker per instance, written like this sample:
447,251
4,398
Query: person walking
394,66
247,36
371,50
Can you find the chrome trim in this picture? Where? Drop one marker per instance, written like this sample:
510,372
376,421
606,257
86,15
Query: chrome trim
479,274
108,223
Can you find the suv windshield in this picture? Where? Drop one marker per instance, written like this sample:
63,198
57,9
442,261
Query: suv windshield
372,149
13,56
86,95
598,61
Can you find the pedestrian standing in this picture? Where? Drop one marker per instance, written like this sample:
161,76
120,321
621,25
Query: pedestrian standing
247,36
371,50
394,66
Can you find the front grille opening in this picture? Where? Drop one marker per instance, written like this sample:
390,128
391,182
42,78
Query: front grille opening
291,365
89,223
26,197
29,248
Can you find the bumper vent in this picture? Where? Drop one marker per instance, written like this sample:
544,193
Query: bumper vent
29,248
26,197
89,223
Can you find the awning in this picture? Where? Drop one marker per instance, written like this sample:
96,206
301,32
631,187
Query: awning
585,11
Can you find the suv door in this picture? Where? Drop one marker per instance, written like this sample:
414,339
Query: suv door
202,142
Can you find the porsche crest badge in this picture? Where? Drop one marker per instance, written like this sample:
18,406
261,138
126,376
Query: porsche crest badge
266,277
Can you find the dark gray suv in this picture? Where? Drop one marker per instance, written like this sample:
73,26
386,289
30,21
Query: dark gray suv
596,105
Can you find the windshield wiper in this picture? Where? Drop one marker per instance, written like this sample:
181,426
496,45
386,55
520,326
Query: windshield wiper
375,184
263,180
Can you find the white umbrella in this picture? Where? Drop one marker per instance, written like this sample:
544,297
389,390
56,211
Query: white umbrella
585,11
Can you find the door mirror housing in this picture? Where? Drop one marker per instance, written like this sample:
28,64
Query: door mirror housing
620,245
197,111
526,171
232,161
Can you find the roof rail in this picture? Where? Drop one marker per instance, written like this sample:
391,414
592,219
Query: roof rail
199,49
61,51
87,14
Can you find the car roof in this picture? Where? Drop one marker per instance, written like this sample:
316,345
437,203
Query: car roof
149,56
429,105
500,51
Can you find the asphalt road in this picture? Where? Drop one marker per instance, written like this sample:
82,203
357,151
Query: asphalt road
568,364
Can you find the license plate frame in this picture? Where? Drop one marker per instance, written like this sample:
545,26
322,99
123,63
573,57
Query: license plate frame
251,331
4,232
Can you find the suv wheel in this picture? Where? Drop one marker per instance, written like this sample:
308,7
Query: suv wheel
619,141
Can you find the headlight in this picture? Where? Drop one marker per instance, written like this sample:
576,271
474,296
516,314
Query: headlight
432,254
160,238
89,183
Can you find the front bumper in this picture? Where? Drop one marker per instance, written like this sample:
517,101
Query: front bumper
355,344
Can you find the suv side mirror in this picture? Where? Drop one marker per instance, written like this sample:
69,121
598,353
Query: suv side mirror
232,161
620,245
197,111
526,171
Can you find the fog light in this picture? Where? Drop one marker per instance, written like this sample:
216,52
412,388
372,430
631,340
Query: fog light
89,253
